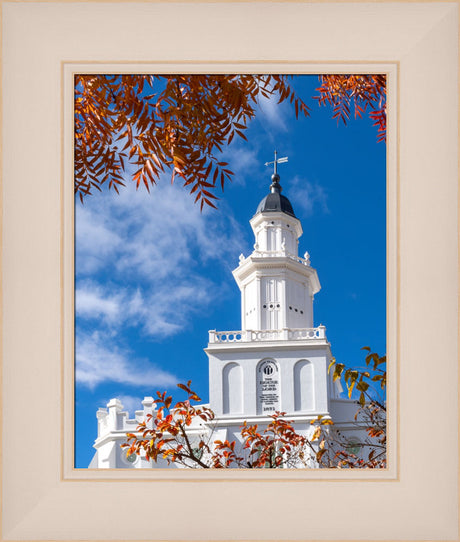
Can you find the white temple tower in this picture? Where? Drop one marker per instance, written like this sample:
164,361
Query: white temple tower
278,361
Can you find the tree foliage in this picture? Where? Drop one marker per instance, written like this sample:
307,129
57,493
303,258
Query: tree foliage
144,125
358,92
370,385
183,433
159,122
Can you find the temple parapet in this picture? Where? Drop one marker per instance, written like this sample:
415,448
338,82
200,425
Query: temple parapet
114,418
250,335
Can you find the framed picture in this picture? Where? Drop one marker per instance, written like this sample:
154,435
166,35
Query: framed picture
45,494
153,272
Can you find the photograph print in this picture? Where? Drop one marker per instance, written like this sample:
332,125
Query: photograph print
230,271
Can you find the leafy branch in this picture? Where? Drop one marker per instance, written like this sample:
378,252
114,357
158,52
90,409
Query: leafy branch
141,126
182,433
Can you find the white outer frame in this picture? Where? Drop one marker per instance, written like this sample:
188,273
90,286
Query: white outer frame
39,499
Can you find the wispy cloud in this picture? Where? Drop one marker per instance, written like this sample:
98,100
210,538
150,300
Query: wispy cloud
273,113
92,302
96,238
157,311
130,403
242,159
150,234
139,265
308,196
99,359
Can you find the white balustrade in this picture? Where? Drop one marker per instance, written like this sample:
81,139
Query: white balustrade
314,333
277,254
225,336
303,261
308,333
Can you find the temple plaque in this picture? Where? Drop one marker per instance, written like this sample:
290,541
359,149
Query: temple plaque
268,388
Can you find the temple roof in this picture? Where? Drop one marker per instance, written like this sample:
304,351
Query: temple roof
274,201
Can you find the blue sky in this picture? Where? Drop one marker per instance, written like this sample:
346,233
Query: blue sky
153,274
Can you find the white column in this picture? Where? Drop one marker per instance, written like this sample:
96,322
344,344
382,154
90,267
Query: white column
115,408
283,303
258,306
243,308
279,238
101,416
149,406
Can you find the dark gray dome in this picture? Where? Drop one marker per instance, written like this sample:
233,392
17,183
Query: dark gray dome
274,201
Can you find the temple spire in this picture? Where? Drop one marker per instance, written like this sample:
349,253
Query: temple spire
275,163
275,186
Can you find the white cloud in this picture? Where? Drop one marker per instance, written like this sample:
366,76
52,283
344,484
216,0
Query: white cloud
130,403
160,312
272,112
308,196
139,261
169,310
242,161
95,239
99,359
154,235
92,302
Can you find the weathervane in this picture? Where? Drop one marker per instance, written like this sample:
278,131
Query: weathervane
276,162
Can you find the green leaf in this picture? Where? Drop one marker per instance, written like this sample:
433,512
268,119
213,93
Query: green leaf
362,386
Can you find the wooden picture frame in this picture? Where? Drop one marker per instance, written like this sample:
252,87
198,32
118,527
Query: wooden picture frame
43,496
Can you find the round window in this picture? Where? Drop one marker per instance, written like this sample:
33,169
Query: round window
353,446
198,452
131,458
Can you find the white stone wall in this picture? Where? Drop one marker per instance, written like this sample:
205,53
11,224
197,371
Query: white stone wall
276,232
112,432
312,390
114,424
276,293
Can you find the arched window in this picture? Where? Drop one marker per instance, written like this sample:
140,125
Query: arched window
304,389
233,389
